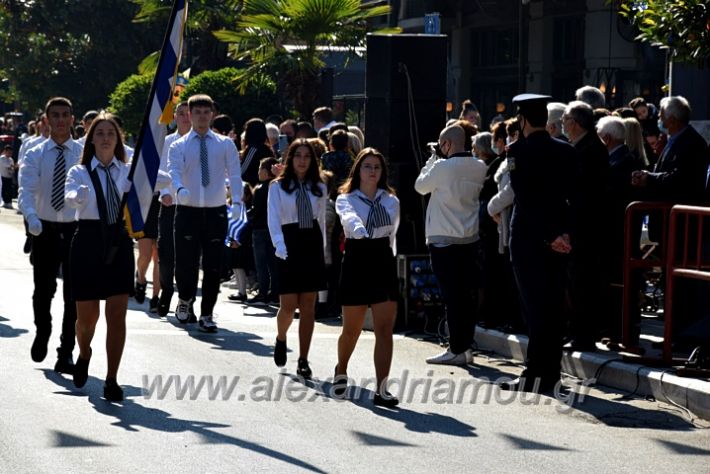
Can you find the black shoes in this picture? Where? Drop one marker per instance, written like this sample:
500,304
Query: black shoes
340,384
304,369
153,305
39,346
65,363
258,300
81,371
580,346
164,303
112,391
237,297
140,292
531,385
280,353
386,400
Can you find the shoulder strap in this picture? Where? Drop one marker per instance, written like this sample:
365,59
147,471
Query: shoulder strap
100,199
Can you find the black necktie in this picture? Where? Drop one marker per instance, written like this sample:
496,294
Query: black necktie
377,217
305,211
58,178
112,200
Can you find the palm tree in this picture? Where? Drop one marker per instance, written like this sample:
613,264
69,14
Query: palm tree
204,16
280,38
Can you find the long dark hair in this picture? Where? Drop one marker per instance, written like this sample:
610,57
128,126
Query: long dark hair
90,150
353,181
288,178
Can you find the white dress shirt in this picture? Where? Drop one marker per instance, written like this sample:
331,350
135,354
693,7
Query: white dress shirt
169,140
353,214
7,166
185,170
29,143
88,208
37,176
282,210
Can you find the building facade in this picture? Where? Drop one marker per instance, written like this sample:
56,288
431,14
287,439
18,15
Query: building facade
499,48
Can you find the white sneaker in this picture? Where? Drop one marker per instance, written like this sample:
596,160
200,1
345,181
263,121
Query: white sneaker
449,358
182,312
207,323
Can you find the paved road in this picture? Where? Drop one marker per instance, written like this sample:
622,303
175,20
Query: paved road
272,422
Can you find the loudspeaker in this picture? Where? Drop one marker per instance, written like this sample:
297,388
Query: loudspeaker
399,127
390,56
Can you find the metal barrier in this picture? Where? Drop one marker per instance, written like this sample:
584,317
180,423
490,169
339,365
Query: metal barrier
696,268
633,261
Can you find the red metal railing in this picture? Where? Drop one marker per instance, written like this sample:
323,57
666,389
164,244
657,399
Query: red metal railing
695,266
634,260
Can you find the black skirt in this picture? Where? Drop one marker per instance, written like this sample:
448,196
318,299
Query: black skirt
92,277
369,273
304,269
150,228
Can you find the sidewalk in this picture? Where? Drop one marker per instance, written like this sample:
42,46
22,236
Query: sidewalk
609,370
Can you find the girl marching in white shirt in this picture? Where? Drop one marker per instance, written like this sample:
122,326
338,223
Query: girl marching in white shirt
296,219
369,212
101,255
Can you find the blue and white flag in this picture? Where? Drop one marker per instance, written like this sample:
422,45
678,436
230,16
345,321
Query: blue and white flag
159,113
236,225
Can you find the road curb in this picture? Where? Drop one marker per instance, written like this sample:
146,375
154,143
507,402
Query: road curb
611,371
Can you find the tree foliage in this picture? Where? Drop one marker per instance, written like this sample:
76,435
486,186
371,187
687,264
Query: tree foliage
75,48
129,100
280,38
681,26
258,100
204,51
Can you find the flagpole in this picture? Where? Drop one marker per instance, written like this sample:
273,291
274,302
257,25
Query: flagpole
151,95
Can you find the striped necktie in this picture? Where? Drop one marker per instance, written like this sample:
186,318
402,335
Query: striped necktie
112,200
204,166
305,211
58,178
378,216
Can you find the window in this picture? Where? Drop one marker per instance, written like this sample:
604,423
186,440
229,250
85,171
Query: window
494,47
569,38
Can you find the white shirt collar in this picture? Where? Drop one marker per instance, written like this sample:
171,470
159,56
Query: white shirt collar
194,134
95,162
377,194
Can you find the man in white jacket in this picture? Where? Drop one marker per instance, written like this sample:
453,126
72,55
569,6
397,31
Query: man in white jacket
454,183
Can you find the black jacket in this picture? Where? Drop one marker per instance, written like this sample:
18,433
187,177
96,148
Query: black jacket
541,175
590,196
250,159
679,175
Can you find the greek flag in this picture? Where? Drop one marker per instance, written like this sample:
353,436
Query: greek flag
159,111
236,225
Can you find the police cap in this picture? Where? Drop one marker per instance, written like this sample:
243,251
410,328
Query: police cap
531,103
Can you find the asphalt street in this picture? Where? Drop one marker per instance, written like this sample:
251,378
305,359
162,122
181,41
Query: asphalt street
242,413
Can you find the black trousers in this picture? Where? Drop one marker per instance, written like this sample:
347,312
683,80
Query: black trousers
541,274
199,232
166,249
50,251
589,289
7,190
457,271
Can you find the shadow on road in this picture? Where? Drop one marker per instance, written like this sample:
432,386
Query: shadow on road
132,416
225,339
8,331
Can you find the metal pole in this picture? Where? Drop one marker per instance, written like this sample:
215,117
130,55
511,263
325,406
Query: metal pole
521,72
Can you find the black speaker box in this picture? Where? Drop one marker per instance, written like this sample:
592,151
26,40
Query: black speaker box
388,126
425,58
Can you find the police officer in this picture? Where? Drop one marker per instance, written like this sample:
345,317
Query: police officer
541,175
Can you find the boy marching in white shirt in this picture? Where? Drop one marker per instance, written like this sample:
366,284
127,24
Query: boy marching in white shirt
51,223
198,163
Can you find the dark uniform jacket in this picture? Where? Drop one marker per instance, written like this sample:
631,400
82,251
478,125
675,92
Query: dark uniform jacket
541,176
